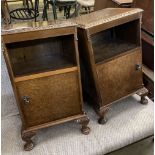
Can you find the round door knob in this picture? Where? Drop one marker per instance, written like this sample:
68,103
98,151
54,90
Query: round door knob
138,67
26,99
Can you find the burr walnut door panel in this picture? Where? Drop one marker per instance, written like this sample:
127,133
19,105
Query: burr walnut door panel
50,98
120,77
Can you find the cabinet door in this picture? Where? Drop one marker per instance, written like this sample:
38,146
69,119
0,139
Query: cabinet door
120,76
50,98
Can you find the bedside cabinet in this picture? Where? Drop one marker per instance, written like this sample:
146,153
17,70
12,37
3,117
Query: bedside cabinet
43,65
111,58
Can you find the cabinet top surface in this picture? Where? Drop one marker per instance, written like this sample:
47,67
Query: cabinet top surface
105,16
35,26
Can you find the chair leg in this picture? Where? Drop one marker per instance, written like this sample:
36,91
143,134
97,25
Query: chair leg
54,10
68,12
88,9
75,10
27,4
36,9
24,3
31,3
43,15
45,10
65,10
60,8
28,7
5,12
78,8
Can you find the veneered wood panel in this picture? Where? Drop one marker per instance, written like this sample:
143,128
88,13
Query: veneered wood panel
24,36
119,77
45,74
113,23
51,98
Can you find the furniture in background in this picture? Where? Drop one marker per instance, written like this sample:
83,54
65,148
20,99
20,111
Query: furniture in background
147,37
46,6
148,78
148,61
111,58
27,12
124,3
102,4
147,33
43,65
87,4
66,5
61,4
5,12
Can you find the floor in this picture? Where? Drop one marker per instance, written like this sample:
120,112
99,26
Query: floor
143,147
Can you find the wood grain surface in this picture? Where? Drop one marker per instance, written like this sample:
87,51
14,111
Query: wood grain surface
119,77
51,98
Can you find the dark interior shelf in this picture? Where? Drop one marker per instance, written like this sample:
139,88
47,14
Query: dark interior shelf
41,65
110,48
36,56
114,41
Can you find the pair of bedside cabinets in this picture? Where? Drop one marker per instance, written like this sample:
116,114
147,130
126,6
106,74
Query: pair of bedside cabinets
46,71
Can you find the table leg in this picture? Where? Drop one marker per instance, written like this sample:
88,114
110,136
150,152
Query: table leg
54,10
78,8
5,12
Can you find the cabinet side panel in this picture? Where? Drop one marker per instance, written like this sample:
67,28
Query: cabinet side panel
11,76
87,68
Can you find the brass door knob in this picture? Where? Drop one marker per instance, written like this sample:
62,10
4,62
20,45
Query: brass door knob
26,99
138,67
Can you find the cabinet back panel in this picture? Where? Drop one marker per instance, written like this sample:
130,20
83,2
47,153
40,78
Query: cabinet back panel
129,32
51,98
43,54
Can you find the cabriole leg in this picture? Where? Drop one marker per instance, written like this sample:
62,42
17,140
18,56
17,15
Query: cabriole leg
102,113
84,121
143,93
26,137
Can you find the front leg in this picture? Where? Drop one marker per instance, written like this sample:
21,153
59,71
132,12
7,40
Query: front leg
102,113
26,136
143,93
84,121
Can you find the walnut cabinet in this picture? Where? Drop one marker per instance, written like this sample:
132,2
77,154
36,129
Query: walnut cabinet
111,58
43,65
